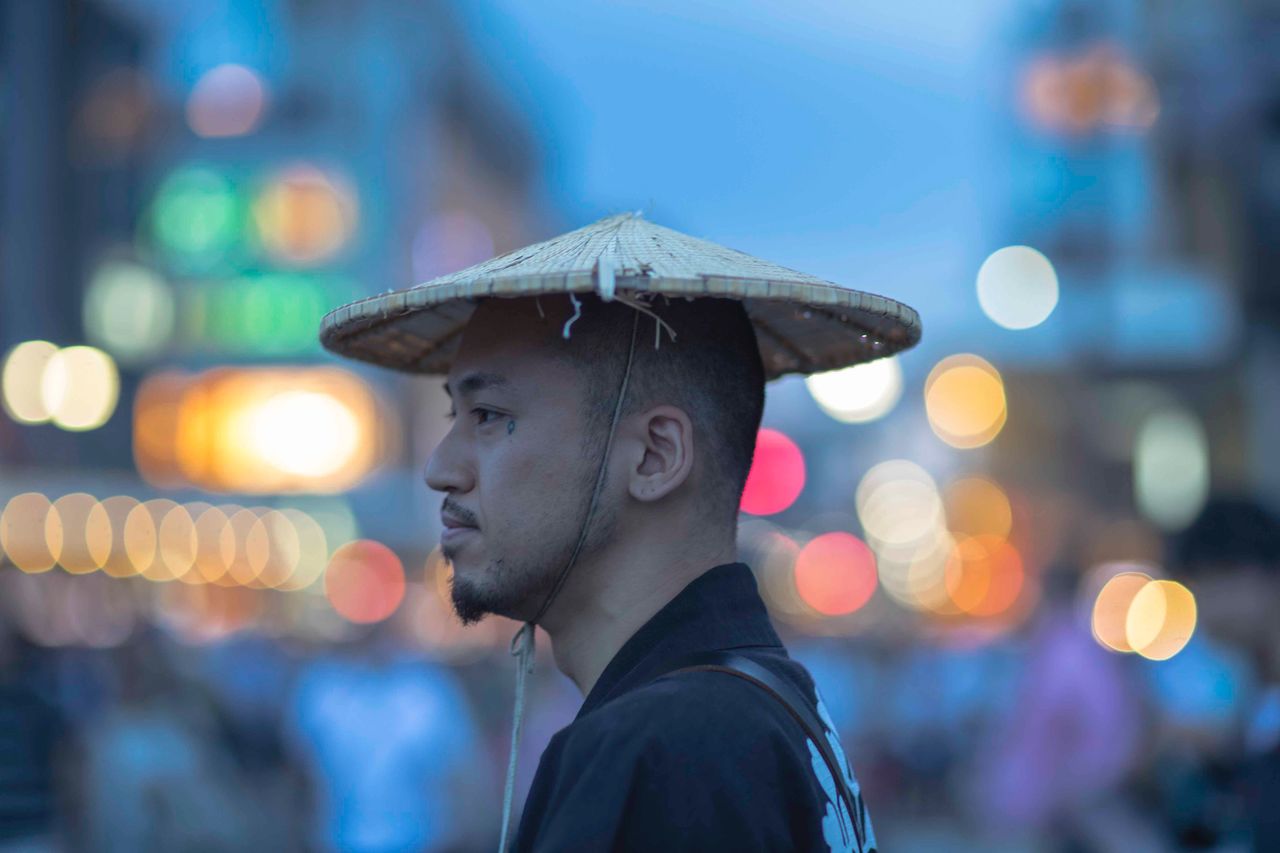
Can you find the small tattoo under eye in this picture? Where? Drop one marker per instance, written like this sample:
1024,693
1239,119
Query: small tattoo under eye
511,426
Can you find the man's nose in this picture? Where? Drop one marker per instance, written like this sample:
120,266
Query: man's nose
446,470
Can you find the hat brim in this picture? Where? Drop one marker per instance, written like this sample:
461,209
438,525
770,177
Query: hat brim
801,327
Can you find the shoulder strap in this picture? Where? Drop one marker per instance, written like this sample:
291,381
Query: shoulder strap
794,701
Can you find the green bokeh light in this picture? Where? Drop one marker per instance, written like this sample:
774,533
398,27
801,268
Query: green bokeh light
197,217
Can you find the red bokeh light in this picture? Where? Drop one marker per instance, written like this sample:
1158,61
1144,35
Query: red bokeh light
364,581
835,573
776,477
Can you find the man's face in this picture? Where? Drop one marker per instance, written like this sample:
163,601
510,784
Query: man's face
515,466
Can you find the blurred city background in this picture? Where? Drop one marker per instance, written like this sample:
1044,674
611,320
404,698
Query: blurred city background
1031,563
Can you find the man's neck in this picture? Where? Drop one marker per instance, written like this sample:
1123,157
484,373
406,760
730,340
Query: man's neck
616,595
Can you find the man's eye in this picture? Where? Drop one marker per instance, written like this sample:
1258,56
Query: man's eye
484,416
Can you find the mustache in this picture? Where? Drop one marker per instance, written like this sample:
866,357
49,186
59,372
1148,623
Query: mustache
464,515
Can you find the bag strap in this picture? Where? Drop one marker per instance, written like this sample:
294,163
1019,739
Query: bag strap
798,706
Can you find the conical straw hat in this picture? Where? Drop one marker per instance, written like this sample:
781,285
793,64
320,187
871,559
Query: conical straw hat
803,324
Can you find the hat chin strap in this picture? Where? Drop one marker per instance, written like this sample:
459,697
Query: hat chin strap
523,643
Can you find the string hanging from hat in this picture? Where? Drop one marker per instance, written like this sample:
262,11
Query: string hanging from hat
524,642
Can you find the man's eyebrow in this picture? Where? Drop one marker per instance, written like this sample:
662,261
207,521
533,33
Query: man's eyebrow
477,381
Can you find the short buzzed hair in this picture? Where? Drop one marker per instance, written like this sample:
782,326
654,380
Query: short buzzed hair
712,371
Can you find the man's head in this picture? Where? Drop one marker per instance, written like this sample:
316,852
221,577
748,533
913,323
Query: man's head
532,414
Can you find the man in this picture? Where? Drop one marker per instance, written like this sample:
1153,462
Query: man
592,478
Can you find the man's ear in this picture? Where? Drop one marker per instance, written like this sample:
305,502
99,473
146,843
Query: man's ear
665,442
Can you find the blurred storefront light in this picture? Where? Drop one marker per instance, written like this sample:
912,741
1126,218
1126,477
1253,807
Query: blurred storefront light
776,477
1017,287
228,100
965,401
85,528
860,393
305,216
898,503
835,573
260,430
129,310
1171,468
364,581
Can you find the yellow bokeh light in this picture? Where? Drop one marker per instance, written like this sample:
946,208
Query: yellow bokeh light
1161,619
860,393
25,535
85,530
313,550
21,381
111,539
1111,609
79,388
1017,287
965,401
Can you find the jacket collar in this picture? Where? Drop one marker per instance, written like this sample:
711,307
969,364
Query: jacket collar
719,610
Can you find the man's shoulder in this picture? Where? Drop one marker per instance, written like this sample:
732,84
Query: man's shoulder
691,710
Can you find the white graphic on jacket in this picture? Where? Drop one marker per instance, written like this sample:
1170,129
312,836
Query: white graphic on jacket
837,824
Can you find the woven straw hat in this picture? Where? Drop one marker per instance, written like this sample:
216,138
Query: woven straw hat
803,324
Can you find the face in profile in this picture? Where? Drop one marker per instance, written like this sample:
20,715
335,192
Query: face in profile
515,467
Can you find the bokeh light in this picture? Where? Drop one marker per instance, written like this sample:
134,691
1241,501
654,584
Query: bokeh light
306,433
80,387
196,217
1017,287
860,393
85,540
22,381
985,576
364,581
1097,86
30,532
1171,468
976,506
1111,609
776,477
112,539
965,401
305,216
1160,619
898,503
129,310
259,430
835,573
228,100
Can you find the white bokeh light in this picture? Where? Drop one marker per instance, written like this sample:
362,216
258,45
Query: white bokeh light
304,433
1017,287
860,393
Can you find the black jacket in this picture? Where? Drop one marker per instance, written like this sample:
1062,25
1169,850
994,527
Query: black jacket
693,761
